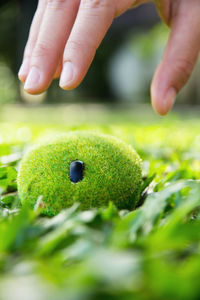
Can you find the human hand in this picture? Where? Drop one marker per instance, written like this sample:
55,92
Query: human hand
65,34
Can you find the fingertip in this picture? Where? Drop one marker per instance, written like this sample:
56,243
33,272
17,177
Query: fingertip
163,102
58,71
67,78
24,69
69,86
22,77
56,76
34,93
35,82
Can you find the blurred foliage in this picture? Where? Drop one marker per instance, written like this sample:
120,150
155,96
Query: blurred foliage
8,32
149,253
8,87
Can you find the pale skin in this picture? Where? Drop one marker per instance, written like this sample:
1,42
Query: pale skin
65,35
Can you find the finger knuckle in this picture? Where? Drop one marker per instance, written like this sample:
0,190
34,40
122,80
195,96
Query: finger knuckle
56,4
80,47
184,67
41,50
97,4
75,45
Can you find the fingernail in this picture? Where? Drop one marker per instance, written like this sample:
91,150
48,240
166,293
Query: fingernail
67,74
23,71
170,99
33,79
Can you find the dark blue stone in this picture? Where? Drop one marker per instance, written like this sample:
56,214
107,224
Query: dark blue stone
76,171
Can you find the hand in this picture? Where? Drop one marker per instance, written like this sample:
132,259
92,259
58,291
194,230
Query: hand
65,34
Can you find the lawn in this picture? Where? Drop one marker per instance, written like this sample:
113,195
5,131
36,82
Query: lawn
149,253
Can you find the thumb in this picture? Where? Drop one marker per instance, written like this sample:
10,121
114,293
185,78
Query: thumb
180,55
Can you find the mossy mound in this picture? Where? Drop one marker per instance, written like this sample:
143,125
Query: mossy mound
112,172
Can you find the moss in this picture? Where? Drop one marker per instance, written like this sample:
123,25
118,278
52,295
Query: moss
112,172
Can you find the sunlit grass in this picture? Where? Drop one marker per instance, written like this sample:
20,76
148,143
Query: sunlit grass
149,253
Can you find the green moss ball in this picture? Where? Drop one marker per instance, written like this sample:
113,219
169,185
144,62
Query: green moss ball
112,172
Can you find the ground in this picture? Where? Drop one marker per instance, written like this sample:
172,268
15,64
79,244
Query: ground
149,253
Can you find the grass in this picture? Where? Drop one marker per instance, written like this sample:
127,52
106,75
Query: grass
150,253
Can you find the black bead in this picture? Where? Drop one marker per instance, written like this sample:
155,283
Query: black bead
76,171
